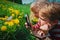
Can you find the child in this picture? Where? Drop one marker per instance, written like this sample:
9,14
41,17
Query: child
35,7
48,17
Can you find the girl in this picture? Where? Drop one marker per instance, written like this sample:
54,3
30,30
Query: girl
35,7
48,17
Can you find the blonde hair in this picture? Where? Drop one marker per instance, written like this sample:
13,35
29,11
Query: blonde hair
35,7
51,11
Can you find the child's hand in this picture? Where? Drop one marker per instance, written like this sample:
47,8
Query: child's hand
26,25
36,32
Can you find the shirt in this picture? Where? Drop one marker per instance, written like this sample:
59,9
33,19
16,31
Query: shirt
55,32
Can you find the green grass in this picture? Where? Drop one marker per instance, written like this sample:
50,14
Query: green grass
22,33
22,8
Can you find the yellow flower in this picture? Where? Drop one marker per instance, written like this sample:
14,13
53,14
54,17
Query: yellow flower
13,14
3,18
35,19
17,12
19,17
6,17
11,10
16,21
6,23
12,20
3,28
10,23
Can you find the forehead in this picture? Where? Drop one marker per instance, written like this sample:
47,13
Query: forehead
37,6
43,14
44,11
35,9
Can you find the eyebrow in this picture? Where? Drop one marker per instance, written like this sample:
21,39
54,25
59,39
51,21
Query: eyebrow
42,19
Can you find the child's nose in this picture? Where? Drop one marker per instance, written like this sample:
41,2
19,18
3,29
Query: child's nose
43,23
44,27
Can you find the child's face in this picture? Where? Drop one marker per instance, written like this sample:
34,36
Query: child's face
36,14
45,23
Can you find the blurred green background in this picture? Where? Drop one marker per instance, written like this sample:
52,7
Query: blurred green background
15,31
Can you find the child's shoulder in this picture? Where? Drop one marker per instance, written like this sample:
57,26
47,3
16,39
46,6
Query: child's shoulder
59,22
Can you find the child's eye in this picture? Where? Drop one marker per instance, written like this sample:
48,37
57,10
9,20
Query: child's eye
43,19
35,12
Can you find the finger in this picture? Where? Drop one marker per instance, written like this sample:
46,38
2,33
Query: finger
26,25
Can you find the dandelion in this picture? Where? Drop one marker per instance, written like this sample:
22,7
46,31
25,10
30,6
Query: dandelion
3,18
10,23
19,16
12,20
6,17
35,19
16,21
11,10
13,15
6,23
3,28
17,12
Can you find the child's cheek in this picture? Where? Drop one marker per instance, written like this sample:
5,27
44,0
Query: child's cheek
44,27
43,22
